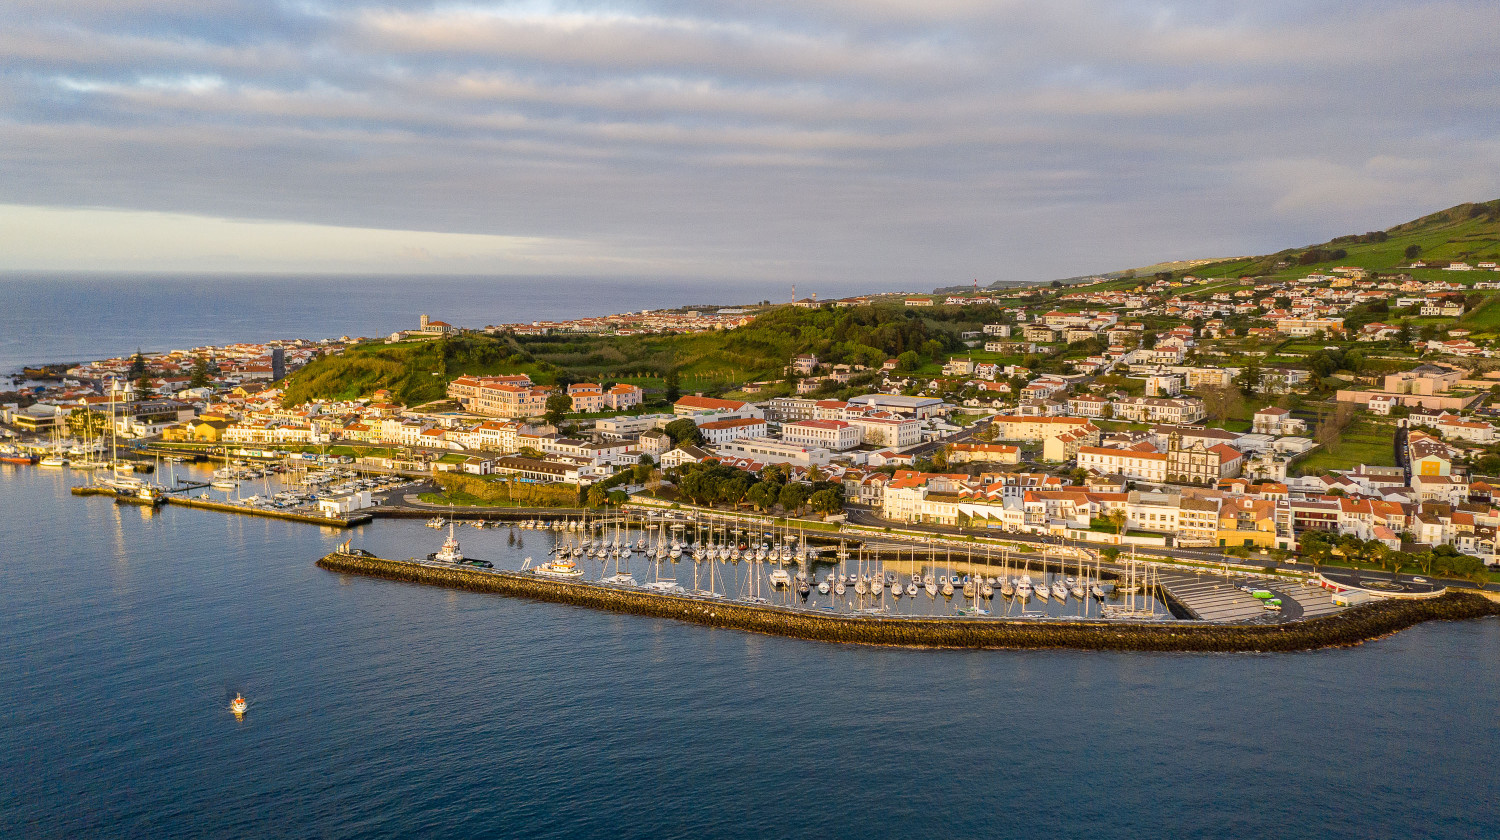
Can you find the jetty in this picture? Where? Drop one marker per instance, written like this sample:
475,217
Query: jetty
1352,626
306,517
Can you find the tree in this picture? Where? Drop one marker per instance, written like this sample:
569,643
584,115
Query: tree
1116,519
597,495
1221,403
674,386
558,405
83,422
1079,475
143,389
733,491
200,373
137,365
1330,430
792,497
908,361
1248,379
684,431
1413,251
763,495
827,501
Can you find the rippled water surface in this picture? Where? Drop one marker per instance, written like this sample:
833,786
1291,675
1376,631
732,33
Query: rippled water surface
380,709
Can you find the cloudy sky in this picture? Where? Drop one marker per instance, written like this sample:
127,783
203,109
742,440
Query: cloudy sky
906,143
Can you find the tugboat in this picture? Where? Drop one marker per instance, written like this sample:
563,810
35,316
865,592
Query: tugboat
449,553
239,705
145,495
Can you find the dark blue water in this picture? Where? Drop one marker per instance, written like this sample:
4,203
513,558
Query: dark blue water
57,318
386,710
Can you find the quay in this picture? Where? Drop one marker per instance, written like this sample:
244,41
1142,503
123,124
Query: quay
1349,627
291,516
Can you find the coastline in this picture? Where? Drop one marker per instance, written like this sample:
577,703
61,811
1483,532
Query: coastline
1354,626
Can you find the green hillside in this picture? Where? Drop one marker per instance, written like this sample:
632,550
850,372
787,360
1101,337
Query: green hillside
1467,232
417,372
414,371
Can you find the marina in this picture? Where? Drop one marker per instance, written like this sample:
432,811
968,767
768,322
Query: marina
810,570
1369,621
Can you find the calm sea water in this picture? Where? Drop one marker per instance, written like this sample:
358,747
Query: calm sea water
384,710
63,318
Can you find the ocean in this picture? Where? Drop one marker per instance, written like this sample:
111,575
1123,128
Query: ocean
48,318
381,709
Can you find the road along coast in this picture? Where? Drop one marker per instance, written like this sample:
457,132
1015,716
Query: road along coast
1353,626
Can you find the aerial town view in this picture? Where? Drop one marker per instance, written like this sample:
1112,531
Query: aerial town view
676,471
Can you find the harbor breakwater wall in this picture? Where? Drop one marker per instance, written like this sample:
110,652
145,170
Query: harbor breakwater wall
1353,626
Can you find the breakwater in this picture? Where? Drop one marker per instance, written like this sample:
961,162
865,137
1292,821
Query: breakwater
1353,626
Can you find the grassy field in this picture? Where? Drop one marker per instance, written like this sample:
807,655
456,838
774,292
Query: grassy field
1485,316
1366,441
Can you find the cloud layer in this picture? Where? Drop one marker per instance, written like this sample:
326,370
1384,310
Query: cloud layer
908,143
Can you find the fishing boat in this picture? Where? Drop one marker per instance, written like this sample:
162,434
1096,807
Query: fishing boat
15,456
564,569
238,705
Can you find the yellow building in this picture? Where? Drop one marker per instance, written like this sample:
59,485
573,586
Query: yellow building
1247,522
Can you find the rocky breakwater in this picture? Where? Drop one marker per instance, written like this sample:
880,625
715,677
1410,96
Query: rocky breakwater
1353,626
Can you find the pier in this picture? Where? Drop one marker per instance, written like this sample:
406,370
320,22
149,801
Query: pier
226,507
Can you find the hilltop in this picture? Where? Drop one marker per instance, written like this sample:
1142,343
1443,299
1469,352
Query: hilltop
712,362
1463,233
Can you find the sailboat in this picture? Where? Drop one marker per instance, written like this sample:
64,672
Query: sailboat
1024,589
57,459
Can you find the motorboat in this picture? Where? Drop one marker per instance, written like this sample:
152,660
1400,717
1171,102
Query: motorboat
564,569
238,705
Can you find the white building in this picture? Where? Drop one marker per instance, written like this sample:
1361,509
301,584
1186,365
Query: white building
835,435
771,451
888,431
1133,464
719,432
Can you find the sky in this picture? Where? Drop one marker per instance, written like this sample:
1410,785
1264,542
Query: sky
910,144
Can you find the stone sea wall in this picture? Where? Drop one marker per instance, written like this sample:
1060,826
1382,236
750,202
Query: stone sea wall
1353,626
